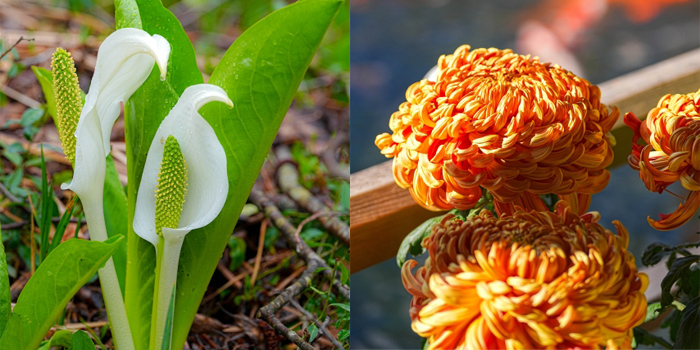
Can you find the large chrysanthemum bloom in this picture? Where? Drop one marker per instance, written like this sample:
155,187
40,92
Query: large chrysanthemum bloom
508,123
534,280
671,153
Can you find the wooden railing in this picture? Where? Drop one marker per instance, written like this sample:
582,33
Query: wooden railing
381,213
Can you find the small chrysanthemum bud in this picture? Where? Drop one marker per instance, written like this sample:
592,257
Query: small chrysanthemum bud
68,101
172,186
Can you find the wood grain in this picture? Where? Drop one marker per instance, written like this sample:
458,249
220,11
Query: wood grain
381,213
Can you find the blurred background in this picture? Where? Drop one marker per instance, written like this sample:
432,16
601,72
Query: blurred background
395,42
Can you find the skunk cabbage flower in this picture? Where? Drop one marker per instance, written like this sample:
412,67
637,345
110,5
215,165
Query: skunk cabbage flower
124,61
207,178
534,280
68,100
505,122
671,153
186,169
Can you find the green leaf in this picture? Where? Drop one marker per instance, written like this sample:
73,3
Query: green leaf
143,113
62,224
345,307
313,332
261,72
412,242
237,248
81,341
676,271
30,118
46,210
688,336
116,214
45,79
62,337
345,196
5,297
642,336
67,269
653,311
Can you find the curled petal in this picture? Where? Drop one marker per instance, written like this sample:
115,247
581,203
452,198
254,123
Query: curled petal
206,165
124,61
680,216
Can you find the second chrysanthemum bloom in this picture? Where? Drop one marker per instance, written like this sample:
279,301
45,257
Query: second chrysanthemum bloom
534,280
505,122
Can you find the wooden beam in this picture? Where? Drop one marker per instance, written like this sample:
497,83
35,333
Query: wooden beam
381,213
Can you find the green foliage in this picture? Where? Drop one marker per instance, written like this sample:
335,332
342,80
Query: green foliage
261,92
5,297
683,320
412,242
67,269
687,336
46,210
31,121
62,338
81,341
237,248
45,79
142,117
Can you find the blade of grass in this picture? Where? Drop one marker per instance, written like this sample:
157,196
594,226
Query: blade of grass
62,224
5,298
45,210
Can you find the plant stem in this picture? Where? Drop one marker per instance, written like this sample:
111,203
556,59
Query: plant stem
111,292
167,258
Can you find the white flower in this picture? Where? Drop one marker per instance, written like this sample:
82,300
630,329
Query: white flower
206,166
124,61
205,193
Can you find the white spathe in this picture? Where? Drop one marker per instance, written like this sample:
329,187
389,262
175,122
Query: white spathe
124,61
207,177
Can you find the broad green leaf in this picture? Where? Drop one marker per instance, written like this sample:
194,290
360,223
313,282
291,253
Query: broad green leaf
45,79
142,115
81,341
63,272
653,311
5,297
412,242
688,336
678,268
62,337
115,212
261,72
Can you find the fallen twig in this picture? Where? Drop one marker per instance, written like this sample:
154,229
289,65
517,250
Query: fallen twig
268,311
321,326
13,46
301,247
288,179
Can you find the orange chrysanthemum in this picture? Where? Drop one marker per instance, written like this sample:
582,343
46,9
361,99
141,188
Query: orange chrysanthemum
505,122
537,280
672,152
